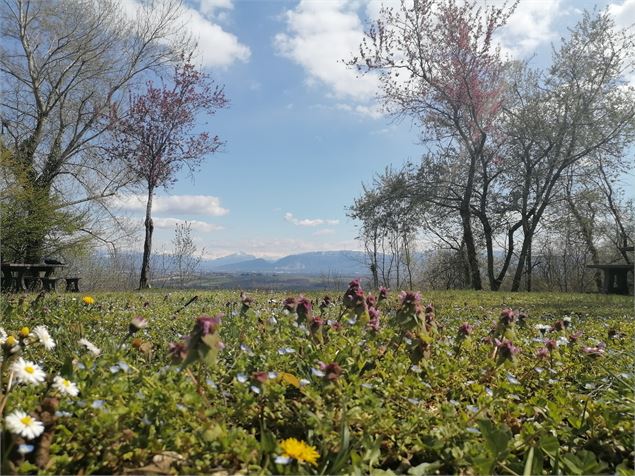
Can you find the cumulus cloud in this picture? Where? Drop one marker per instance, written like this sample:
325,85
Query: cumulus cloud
319,36
211,7
531,25
216,47
196,225
308,221
623,13
172,204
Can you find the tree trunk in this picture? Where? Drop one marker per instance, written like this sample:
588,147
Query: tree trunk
147,244
470,248
520,267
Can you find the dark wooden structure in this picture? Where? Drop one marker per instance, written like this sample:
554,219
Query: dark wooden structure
615,275
18,277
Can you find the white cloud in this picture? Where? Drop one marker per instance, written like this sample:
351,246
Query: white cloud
210,7
623,13
172,204
531,25
319,36
308,221
324,231
196,225
216,47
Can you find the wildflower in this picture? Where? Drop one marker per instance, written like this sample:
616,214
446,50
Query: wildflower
42,333
289,304
331,371
246,301
3,336
465,330
353,294
24,449
303,309
506,350
559,325
596,351
27,372
326,302
315,323
551,344
24,332
19,423
542,353
178,351
383,293
92,348
137,324
299,451
261,377
542,328
371,301
573,338
65,386
10,341
88,300
373,322
208,325
507,316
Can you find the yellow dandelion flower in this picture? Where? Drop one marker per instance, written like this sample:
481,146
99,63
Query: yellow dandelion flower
88,300
299,451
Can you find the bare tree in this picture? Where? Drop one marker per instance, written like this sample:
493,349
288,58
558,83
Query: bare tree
185,254
64,64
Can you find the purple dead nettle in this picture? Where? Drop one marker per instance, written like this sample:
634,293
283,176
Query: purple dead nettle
289,304
542,353
208,325
551,344
506,350
315,323
597,351
352,294
137,323
573,338
331,371
326,302
383,293
373,322
465,330
177,351
371,301
507,316
303,309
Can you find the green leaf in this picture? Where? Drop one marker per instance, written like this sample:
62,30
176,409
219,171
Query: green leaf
583,462
550,445
496,438
425,468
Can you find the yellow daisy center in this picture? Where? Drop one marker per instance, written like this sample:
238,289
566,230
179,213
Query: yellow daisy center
24,332
66,383
29,370
27,420
11,341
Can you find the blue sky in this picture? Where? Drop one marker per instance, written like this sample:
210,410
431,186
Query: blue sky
302,131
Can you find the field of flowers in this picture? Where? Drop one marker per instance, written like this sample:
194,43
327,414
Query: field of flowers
381,383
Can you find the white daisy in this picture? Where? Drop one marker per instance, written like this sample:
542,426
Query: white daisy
19,423
3,336
92,348
44,337
65,386
27,372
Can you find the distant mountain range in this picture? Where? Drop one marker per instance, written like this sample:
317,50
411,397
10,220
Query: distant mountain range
346,263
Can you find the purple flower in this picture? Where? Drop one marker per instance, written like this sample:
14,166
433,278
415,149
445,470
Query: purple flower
178,351
315,323
465,330
326,302
551,344
208,325
383,293
573,338
137,324
371,301
289,304
596,351
331,371
507,316
506,349
542,353
373,322
304,308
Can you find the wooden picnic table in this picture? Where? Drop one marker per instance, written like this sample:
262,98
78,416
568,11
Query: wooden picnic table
20,276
